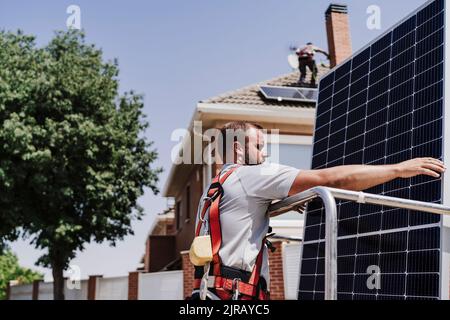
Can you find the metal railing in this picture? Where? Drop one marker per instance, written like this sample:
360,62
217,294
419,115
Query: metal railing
329,196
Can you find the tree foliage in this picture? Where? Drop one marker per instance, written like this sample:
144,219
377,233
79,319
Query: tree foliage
74,158
11,270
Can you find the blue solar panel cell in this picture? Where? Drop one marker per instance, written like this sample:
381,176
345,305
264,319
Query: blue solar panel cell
381,60
342,70
355,129
354,158
395,219
337,152
359,86
325,99
361,58
374,136
402,75
393,262
360,71
348,210
404,43
377,104
429,11
430,43
423,284
404,28
402,59
346,247
381,44
346,264
429,59
356,114
341,84
423,261
369,223
309,266
430,26
327,80
374,152
423,239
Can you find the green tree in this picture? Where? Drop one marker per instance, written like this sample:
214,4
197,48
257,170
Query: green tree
74,159
11,270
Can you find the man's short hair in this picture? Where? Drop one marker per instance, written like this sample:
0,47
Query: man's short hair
235,126
309,43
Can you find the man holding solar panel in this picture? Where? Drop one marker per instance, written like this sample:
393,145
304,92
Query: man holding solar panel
229,250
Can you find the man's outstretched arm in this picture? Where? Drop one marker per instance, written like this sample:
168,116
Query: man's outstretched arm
362,177
317,49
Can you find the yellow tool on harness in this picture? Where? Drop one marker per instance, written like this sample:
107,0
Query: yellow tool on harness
200,252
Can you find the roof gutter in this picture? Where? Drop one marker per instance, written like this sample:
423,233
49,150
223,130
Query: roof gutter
260,113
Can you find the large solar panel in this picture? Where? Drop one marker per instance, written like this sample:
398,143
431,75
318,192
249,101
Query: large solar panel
384,105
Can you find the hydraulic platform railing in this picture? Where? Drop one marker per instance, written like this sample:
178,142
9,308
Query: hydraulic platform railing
329,196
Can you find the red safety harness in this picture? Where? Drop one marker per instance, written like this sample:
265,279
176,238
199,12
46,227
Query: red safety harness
226,288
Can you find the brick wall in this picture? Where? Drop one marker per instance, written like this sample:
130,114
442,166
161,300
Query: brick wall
276,272
35,294
92,287
147,255
188,274
8,291
338,33
133,285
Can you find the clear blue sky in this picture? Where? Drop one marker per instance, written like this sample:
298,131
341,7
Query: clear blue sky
177,53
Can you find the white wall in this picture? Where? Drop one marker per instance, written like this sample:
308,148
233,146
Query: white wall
291,269
112,288
77,294
288,228
45,291
161,285
21,292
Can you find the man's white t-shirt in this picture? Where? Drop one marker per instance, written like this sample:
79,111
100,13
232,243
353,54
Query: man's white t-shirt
244,221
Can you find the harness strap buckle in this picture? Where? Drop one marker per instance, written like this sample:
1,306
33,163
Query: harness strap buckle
270,246
203,292
235,288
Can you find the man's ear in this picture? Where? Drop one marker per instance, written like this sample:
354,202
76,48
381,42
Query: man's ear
239,150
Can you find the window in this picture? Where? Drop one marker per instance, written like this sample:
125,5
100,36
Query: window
294,151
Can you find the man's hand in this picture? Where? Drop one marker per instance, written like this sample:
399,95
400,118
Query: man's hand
426,166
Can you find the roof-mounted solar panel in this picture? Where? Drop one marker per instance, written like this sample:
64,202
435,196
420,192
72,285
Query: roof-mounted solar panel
309,94
289,93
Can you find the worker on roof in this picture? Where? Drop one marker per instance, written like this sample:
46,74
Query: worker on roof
306,59
232,215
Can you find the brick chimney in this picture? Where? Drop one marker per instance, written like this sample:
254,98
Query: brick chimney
338,33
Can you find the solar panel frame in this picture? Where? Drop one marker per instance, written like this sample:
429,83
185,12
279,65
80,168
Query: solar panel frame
306,92
297,90
336,76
